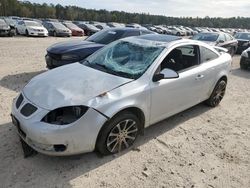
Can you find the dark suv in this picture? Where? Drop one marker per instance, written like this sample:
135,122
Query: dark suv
76,50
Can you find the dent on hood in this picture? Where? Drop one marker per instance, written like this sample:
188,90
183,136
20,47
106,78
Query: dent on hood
70,85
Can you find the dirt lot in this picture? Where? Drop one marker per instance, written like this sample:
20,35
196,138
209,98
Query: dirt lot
201,147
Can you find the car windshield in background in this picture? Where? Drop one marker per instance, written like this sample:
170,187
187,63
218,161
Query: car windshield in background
206,37
91,26
125,58
245,36
105,36
71,25
30,23
58,25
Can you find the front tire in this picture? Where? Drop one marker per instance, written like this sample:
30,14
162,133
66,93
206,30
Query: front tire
54,34
217,94
118,134
27,33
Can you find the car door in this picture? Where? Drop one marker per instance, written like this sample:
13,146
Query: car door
170,96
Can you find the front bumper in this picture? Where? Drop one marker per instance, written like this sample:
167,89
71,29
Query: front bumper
4,32
38,34
77,137
53,63
62,34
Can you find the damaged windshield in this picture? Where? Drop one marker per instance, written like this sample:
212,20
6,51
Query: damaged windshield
125,58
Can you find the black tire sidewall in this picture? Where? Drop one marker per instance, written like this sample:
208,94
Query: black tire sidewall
27,33
209,101
103,135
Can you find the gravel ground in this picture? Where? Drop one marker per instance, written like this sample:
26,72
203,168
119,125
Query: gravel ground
201,147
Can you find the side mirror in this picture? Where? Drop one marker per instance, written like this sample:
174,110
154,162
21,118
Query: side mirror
165,74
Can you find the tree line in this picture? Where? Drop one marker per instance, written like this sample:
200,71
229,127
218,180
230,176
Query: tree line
35,10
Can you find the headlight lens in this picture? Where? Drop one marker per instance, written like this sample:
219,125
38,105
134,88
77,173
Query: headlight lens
69,57
65,115
244,54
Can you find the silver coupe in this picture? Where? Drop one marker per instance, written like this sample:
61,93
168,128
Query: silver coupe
104,102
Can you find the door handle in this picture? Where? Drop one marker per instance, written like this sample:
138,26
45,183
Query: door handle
199,77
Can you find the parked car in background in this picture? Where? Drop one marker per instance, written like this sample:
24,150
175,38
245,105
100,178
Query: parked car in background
163,29
6,29
218,39
243,41
76,50
114,24
104,102
57,29
245,59
101,25
89,29
76,31
31,28
176,31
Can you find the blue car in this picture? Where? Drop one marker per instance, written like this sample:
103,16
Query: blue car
76,50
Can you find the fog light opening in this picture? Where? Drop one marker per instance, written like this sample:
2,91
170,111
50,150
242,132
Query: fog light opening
60,148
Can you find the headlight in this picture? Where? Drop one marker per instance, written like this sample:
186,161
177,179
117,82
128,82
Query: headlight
65,115
244,54
70,57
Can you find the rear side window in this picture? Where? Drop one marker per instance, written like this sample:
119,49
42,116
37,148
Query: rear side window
207,54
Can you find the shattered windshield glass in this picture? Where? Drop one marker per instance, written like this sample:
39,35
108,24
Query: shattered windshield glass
125,58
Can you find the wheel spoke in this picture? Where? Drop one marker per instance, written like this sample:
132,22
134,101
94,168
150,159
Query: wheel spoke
132,131
112,150
113,134
112,142
125,142
119,127
131,126
125,126
120,146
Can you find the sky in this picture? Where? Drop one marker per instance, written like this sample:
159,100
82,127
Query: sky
176,8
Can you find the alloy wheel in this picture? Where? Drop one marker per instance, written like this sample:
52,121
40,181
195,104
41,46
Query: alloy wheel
122,136
219,93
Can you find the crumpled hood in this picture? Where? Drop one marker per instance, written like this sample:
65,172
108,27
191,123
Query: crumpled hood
73,84
73,45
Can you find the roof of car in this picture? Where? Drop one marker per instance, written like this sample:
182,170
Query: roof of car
160,38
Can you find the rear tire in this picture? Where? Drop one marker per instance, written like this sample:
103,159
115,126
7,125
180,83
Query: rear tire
27,33
17,32
118,134
178,34
54,34
217,94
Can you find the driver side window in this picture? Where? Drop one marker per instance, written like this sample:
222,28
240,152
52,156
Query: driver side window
181,58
